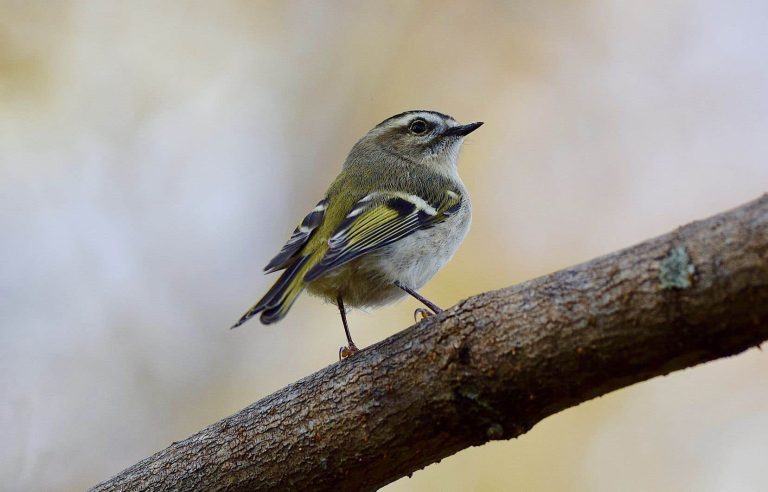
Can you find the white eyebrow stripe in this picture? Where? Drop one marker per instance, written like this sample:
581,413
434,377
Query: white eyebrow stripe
406,118
401,120
432,118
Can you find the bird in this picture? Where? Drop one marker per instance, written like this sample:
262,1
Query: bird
396,213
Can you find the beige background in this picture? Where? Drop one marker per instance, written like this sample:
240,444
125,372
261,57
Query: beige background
154,155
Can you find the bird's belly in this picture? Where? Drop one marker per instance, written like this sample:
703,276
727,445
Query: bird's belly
368,281
415,259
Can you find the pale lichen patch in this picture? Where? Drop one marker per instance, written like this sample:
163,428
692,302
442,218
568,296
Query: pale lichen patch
676,270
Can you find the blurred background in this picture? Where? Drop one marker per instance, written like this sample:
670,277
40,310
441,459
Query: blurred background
155,155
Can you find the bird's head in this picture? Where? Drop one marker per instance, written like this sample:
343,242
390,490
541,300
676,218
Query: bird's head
422,137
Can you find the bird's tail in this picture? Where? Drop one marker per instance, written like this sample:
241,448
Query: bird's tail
279,299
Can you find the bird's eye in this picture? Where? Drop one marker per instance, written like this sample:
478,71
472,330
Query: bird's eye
418,127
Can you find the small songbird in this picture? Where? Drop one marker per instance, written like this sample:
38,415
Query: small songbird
393,217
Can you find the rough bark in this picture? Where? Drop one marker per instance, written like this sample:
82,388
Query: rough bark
490,367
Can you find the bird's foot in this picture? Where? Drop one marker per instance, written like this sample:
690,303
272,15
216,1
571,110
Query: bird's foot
422,313
345,352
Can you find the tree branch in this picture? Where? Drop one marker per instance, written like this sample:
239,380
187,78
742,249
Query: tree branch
490,367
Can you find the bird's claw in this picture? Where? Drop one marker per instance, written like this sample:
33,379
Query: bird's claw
345,352
422,313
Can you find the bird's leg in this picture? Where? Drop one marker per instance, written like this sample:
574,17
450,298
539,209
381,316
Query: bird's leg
421,311
350,349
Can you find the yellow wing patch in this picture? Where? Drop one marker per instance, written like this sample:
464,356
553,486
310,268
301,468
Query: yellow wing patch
377,220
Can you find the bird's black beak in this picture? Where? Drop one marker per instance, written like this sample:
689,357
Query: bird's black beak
462,130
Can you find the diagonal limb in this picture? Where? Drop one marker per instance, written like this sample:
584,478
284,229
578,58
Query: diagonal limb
350,349
431,305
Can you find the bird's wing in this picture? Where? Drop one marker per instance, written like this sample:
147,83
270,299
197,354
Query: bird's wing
299,238
379,219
